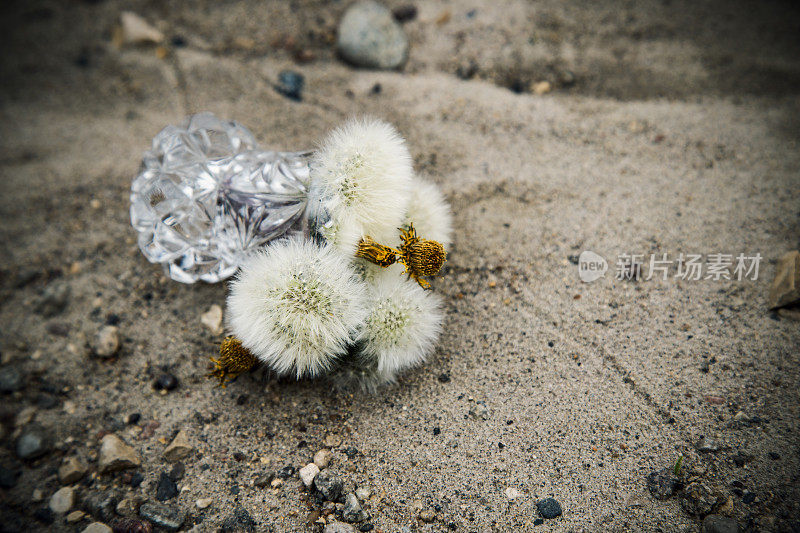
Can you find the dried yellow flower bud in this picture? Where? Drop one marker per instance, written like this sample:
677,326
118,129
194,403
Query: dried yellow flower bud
234,359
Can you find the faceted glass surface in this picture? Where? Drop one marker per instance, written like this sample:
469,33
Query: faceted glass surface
207,195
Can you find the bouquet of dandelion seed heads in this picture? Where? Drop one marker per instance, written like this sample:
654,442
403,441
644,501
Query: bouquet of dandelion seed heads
347,299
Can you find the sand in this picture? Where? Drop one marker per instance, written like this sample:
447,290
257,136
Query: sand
679,135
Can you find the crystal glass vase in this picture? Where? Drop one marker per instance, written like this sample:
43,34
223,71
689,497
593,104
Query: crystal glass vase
207,195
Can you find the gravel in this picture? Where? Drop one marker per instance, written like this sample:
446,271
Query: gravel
663,483
239,521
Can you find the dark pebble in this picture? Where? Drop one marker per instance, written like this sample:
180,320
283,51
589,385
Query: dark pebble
8,477
366,527
10,380
662,484
574,259
133,418
177,472
405,13
112,319
46,401
549,508
436,431
290,84
774,456
376,89
748,497
239,521
43,515
102,505
350,452
136,479
329,486
262,481
238,456
715,523
167,489
242,399
165,381
444,378
59,329
178,41
538,522
286,472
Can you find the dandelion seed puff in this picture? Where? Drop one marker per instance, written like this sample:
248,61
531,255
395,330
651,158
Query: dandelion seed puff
429,212
361,176
296,306
402,326
357,372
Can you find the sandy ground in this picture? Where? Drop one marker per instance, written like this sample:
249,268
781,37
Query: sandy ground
679,133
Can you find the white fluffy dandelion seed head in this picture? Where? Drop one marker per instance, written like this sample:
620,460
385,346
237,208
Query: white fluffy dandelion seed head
361,176
402,326
296,306
429,212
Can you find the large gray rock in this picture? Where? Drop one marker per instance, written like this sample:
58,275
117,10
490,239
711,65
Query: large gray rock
370,37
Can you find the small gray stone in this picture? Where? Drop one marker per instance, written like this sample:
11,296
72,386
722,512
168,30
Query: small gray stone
663,483
239,521
54,298
328,486
352,511
71,470
128,507
427,515
339,527
32,443
715,523
63,500
698,499
10,380
97,527
102,505
106,342
369,37
116,455
549,508
479,411
164,516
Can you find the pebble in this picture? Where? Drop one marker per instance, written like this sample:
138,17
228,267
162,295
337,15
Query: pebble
127,507
512,493
707,445
363,493
10,380
239,521
116,455
323,458
32,443
75,516
179,448
698,499
166,489
663,483
785,289
106,341
212,319
136,30
328,486
164,516
339,527
204,503
8,477
54,298
352,511
177,472
290,84
427,515
262,481
549,508
405,13
62,500
72,469
102,505
97,527
541,87
332,441
276,483
308,473
369,36
715,523
479,411
165,381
